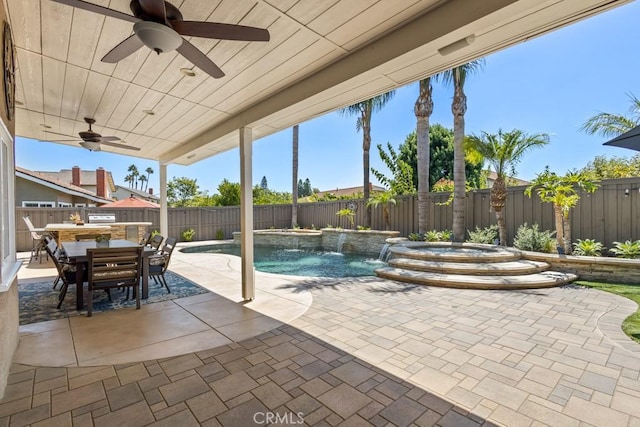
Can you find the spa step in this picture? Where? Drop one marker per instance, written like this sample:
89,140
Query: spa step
465,281
485,268
452,253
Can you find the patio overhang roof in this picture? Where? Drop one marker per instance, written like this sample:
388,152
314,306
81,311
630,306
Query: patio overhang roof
322,56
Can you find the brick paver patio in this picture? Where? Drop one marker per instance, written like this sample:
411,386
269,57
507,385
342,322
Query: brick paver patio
373,352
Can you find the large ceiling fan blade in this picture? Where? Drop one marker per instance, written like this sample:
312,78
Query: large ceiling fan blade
154,8
199,59
59,140
61,134
108,138
216,30
126,147
124,49
98,9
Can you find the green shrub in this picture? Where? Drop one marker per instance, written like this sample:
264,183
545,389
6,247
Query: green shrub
486,235
445,235
437,236
432,236
531,239
627,249
219,235
154,233
188,234
362,227
415,237
587,247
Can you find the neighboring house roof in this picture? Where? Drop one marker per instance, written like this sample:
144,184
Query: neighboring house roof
512,181
140,193
44,178
348,191
131,202
86,177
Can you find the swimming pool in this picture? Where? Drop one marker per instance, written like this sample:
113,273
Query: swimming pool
300,262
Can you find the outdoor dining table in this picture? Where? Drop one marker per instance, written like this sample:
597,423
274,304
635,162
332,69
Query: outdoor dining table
77,255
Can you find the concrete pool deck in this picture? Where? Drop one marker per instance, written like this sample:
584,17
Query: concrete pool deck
367,351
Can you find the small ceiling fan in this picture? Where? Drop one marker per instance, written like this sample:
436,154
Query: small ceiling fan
159,25
92,140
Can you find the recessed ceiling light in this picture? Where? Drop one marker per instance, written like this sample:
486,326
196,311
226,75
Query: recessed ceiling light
149,112
188,72
45,126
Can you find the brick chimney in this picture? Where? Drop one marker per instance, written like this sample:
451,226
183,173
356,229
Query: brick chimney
151,191
75,175
101,183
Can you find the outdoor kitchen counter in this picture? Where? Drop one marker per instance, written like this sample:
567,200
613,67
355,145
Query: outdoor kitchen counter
132,231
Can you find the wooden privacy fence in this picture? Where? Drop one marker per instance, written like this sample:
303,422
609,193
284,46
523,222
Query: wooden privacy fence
610,214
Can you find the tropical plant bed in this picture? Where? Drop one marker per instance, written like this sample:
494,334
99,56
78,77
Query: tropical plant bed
631,325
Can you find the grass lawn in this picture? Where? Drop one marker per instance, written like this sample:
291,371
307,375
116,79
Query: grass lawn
631,325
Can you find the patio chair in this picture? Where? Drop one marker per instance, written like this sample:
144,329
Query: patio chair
37,240
146,238
156,241
114,268
158,263
66,271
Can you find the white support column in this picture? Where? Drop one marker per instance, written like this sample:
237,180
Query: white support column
164,208
246,214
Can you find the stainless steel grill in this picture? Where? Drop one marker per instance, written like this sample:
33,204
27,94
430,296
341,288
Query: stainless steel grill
102,218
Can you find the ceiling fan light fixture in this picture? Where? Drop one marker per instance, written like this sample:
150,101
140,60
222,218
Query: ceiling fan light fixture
90,145
157,37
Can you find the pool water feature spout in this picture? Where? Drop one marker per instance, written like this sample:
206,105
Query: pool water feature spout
341,238
384,253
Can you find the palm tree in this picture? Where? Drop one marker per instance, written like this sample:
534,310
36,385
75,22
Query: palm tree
422,110
384,199
133,170
148,171
294,179
363,110
129,179
562,192
503,151
611,125
457,77
142,180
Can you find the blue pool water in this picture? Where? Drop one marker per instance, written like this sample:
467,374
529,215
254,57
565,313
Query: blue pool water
300,262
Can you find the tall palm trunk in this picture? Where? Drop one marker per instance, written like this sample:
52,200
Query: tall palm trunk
423,109
294,179
559,220
498,201
458,108
386,217
366,147
566,229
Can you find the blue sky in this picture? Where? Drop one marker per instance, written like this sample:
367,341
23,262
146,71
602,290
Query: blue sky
550,84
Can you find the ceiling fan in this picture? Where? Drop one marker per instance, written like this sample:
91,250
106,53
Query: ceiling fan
159,25
92,140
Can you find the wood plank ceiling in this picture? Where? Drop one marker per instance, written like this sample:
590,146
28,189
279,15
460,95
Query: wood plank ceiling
323,54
